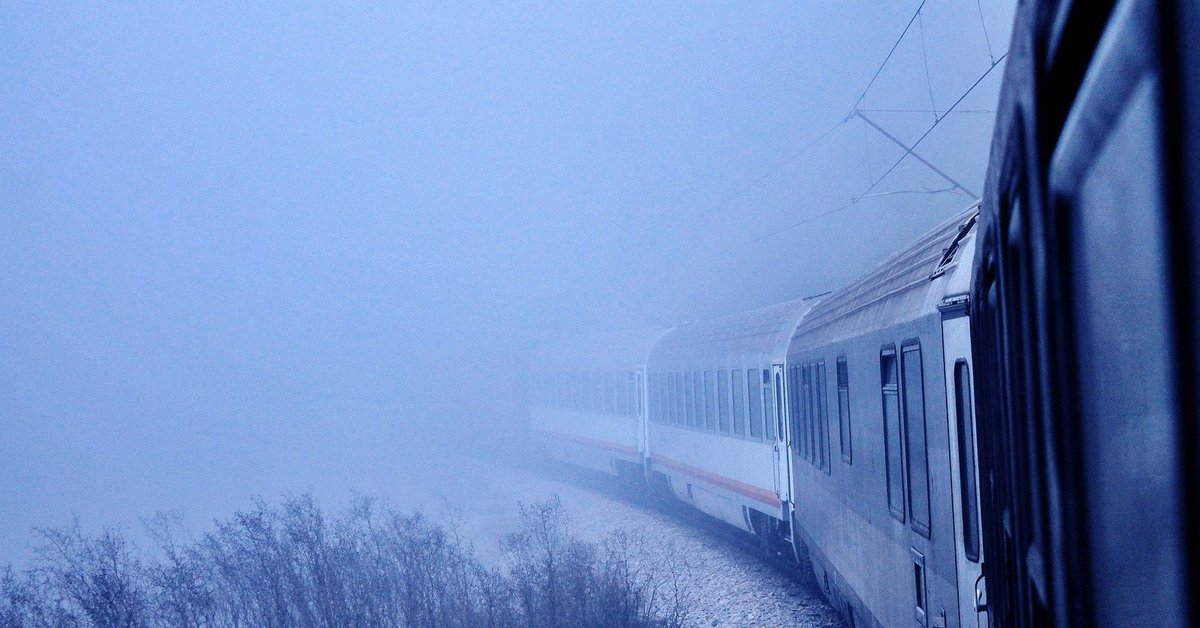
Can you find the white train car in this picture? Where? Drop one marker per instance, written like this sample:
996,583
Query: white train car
589,401
716,431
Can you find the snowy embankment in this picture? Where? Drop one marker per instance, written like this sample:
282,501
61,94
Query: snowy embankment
725,586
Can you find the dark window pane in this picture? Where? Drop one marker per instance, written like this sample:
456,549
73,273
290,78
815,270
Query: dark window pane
966,460
754,394
768,407
891,430
710,402
914,422
723,400
680,406
689,400
672,415
823,420
793,391
843,377
739,401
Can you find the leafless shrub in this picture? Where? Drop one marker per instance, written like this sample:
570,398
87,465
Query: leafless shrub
295,565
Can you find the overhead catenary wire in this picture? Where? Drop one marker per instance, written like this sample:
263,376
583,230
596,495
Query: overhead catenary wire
729,198
867,193
887,58
983,23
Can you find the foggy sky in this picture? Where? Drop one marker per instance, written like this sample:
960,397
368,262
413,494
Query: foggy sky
243,243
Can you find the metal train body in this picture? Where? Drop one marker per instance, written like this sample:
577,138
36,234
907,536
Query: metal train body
1084,308
877,471
999,424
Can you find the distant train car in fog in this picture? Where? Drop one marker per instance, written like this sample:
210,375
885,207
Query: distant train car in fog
717,438
589,400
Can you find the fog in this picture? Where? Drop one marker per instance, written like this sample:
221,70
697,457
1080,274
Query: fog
249,249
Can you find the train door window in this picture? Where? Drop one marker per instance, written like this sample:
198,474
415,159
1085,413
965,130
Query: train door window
913,392
739,403
710,404
689,400
823,416
632,400
768,406
893,454
723,400
754,394
843,393
966,456
698,399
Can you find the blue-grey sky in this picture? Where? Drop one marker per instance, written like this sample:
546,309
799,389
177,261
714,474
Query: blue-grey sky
241,239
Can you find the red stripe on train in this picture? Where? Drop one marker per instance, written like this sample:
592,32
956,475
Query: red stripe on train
749,490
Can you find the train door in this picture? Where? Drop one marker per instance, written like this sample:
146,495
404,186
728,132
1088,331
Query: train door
783,458
914,460
964,473
643,435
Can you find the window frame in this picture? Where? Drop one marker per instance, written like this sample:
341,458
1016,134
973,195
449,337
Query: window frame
922,527
845,434
897,504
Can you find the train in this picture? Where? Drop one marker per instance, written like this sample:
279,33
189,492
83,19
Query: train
995,426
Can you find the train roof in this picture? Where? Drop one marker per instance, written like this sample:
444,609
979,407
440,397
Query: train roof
601,351
757,336
909,284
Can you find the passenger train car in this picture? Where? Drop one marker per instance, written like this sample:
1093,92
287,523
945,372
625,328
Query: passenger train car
1084,308
716,426
589,402
879,378
997,426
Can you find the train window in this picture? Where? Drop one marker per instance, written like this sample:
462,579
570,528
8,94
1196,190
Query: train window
610,398
651,382
689,400
843,392
710,404
697,400
680,404
739,403
793,390
672,416
966,457
810,407
823,417
754,395
768,406
893,454
780,432
914,426
723,400
664,400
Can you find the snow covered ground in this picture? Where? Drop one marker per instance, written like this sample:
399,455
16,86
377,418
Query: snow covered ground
727,586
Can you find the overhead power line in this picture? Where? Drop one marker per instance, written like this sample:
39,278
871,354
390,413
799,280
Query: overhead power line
891,52
867,193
